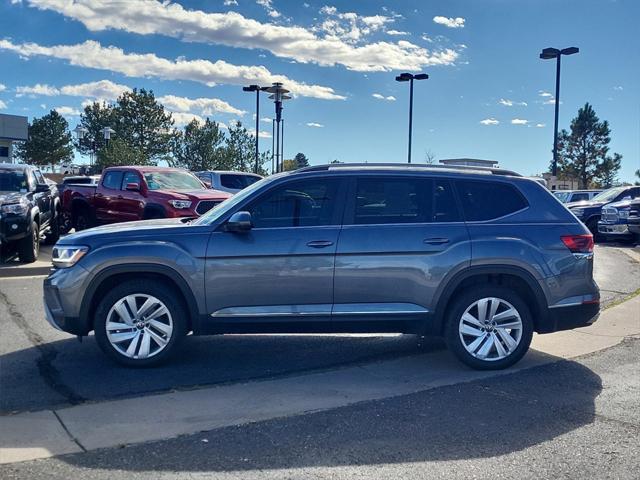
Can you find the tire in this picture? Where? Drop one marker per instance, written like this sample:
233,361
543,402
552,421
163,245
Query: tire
53,235
153,214
126,345
492,339
81,219
592,225
29,246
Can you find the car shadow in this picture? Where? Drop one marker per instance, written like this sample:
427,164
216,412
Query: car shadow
479,419
67,372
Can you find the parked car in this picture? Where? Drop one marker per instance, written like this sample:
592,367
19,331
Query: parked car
569,196
633,219
231,182
482,257
126,194
614,221
589,211
29,209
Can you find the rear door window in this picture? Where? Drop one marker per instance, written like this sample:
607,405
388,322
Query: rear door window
237,181
482,200
578,197
384,200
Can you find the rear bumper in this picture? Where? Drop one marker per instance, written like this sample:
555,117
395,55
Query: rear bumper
571,316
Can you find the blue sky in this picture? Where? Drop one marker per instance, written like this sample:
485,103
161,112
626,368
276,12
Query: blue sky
488,96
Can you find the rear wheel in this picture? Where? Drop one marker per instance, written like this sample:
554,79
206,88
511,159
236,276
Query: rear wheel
54,231
489,328
140,323
29,246
592,225
81,219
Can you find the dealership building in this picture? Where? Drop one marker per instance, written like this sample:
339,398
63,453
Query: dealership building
13,128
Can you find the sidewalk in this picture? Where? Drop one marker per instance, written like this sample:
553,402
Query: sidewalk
110,424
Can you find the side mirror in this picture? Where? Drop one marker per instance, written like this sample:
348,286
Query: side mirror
42,188
207,183
132,187
240,222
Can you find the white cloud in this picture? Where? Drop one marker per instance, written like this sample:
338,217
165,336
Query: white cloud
67,111
519,121
268,5
489,121
541,125
379,96
551,101
542,93
396,32
315,125
511,103
37,89
2,105
43,106
3,87
102,89
205,106
91,54
341,44
266,120
229,3
618,88
182,119
449,22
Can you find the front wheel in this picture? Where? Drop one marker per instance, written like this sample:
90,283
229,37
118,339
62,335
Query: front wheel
29,246
140,323
489,328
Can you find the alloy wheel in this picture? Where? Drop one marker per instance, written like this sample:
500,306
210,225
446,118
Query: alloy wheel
490,329
139,326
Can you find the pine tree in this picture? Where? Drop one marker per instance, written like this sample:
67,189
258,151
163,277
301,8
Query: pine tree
49,141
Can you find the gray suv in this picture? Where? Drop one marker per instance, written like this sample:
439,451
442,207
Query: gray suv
482,257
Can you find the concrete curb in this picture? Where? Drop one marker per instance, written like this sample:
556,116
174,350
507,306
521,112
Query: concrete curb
29,436
24,271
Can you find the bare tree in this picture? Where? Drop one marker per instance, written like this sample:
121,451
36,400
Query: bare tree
429,157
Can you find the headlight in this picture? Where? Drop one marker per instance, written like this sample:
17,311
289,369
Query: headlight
180,203
578,212
67,256
623,213
16,208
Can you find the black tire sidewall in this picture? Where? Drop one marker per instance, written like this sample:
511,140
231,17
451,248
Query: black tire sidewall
458,307
26,246
150,287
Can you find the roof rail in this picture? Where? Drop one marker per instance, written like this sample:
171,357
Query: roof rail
445,168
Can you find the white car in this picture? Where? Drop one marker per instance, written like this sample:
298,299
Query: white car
231,182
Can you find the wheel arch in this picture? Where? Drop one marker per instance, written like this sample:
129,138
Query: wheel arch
517,278
113,275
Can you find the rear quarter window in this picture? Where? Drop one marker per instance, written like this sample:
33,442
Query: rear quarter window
482,200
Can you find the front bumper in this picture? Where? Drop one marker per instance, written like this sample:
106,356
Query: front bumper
63,293
614,229
13,227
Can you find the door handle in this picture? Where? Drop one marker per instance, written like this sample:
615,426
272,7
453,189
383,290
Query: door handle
319,243
436,241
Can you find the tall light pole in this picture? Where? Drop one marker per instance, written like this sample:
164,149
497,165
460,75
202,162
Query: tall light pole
257,89
409,77
547,54
278,95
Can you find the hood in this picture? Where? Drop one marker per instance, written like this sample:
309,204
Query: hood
142,227
194,195
624,203
10,197
584,204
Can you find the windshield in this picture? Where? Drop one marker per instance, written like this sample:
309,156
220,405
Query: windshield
562,196
215,213
11,181
608,195
172,180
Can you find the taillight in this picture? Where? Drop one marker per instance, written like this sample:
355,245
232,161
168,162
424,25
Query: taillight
578,243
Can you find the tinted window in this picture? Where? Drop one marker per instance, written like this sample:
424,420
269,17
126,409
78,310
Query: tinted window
130,177
487,200
4,151
13,181
237,181
404,200
578,197
301,204
39,177
112,180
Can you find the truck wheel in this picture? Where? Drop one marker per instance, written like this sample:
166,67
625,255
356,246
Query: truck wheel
592,225
53,235
140,323
29,246
81,220
489,328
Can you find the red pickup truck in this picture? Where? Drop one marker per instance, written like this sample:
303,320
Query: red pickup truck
138,193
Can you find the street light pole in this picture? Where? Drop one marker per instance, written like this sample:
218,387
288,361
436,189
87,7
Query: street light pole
408,77
546,54
257,89
278,95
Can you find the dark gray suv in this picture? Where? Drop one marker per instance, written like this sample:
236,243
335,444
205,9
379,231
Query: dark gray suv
482,257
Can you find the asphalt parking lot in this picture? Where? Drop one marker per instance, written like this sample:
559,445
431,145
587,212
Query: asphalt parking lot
588,405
